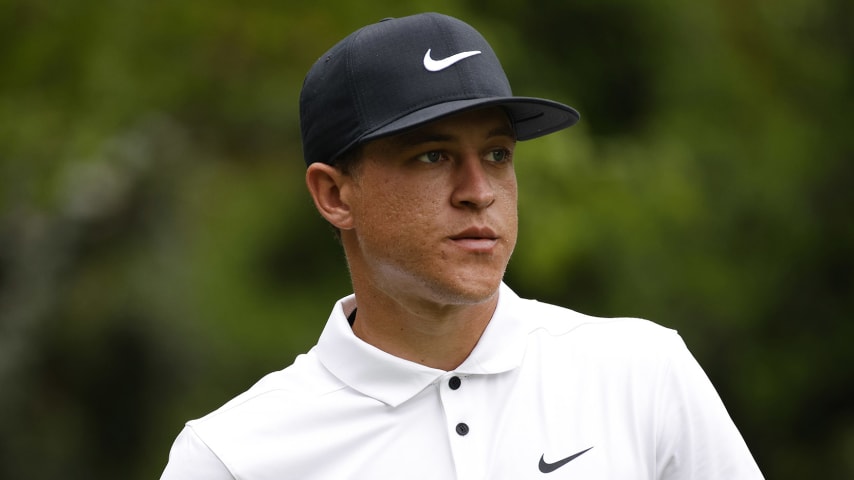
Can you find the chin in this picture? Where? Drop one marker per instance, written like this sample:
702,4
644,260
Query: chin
465,291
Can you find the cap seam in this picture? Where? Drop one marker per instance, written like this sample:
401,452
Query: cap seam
463,70
356,93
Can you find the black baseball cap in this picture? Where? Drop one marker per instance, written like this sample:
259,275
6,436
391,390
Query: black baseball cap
401,73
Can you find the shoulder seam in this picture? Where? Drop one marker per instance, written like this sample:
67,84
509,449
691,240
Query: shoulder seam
214,453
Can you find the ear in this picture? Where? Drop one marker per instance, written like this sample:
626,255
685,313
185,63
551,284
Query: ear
325,183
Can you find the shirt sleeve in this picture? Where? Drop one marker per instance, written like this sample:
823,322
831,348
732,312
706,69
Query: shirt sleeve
191,459
697,439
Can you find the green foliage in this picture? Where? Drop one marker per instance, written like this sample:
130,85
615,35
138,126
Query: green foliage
158,252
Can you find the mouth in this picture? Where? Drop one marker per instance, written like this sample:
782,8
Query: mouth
476,239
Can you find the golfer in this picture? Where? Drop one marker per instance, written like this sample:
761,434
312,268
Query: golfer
434,368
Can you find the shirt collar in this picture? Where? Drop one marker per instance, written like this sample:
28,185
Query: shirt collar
393,380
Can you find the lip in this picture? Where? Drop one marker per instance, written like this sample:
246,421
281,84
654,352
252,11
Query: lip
476,239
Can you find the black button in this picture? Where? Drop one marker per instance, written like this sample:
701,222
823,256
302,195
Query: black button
454,383
462,429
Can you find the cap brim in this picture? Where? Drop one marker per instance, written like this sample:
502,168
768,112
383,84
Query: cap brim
531,117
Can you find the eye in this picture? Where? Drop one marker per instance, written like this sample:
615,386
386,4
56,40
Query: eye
430,157
499,155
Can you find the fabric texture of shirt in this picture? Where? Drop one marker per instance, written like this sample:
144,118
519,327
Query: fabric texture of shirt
543,384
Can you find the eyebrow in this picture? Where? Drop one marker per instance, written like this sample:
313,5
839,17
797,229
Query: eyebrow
502,131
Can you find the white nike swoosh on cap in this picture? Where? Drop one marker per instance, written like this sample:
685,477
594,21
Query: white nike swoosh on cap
437,65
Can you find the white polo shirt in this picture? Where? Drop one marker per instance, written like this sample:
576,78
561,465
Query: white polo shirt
546,391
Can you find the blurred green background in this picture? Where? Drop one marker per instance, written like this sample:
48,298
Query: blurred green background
159,253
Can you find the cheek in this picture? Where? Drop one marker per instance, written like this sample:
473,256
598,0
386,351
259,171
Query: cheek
396,213
509,195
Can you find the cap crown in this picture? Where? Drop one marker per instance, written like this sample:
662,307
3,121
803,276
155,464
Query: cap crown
376,82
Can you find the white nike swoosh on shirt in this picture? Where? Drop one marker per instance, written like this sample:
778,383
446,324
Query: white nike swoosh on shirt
437,65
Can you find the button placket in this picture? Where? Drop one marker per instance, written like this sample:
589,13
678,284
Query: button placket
464,428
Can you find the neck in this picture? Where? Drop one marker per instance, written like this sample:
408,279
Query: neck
434,335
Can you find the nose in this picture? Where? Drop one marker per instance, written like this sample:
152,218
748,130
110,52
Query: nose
472,184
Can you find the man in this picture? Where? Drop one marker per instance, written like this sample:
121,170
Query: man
434,369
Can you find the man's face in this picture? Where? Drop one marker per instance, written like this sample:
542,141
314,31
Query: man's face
434,210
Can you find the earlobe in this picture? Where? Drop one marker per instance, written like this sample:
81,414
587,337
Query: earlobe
325,184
